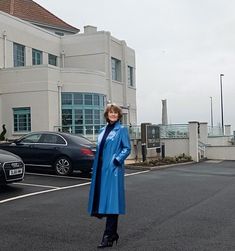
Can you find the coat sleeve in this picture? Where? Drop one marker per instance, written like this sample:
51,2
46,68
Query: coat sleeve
125,146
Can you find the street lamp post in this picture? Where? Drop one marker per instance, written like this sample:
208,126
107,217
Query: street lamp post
221,102
211,114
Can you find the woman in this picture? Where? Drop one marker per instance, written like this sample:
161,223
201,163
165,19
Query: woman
107,196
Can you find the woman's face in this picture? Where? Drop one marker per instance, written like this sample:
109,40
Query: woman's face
112,116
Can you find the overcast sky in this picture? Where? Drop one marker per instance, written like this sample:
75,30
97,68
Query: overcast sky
181,48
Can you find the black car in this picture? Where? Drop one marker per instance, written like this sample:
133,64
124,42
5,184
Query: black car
63,152
12,168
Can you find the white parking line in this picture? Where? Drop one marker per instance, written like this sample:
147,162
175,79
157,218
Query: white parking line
33,185
57,188
130,174
41,192
57,176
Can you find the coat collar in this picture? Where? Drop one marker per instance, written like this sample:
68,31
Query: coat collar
116,126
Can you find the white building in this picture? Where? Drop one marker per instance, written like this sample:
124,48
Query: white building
53,77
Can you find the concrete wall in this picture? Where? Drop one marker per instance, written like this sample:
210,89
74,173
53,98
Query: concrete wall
219,141
220,152
30,87
198,145
175,147
93,50
84,65
19,31
85,51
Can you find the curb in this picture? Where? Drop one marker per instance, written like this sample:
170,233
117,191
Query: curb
152,168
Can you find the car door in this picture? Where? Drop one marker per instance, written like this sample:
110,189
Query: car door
48,148
25,148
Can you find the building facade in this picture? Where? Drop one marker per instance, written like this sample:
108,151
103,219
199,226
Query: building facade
56,80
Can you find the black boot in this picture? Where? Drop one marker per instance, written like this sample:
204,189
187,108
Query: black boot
110,233
114,238
106,242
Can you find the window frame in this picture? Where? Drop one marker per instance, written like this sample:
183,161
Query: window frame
80,118
36,57
130,76
20,113
52,59
116,66
19,56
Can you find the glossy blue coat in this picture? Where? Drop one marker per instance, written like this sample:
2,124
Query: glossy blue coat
112,191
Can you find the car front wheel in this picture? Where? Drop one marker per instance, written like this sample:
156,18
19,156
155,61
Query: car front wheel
63,166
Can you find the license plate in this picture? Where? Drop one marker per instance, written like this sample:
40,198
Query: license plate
16,171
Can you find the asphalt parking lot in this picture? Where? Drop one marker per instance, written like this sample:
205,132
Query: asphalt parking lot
183,208
39,182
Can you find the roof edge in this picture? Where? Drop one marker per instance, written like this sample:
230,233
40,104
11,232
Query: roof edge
56,16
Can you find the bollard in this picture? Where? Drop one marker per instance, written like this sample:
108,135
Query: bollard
163,151
143,148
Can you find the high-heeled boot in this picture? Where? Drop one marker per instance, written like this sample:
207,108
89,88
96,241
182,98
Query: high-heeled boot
114,237
107,240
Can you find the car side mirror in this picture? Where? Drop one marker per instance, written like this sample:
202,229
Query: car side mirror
16,142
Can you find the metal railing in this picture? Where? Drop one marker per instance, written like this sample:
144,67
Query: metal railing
215,131
201,150
91,132
134,131
88,131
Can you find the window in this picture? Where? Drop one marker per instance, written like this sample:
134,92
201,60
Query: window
88,116
116,69
78,116
18,55
67,99
51,139
97,117
34,138
88,99
130,76
96,100
52,59
67,116
59,33
82,113
37,57
22,119
78,98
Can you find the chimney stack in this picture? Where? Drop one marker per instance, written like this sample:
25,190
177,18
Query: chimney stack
164,112
89,29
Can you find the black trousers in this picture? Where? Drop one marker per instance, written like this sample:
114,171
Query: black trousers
111,224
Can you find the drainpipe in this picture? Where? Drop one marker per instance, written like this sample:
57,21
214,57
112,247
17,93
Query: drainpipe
109,66
63,58
125,80
124,73
59,85
4,49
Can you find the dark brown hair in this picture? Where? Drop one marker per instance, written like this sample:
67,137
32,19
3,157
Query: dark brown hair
115,108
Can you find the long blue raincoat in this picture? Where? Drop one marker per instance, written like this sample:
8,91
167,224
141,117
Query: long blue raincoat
112,194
